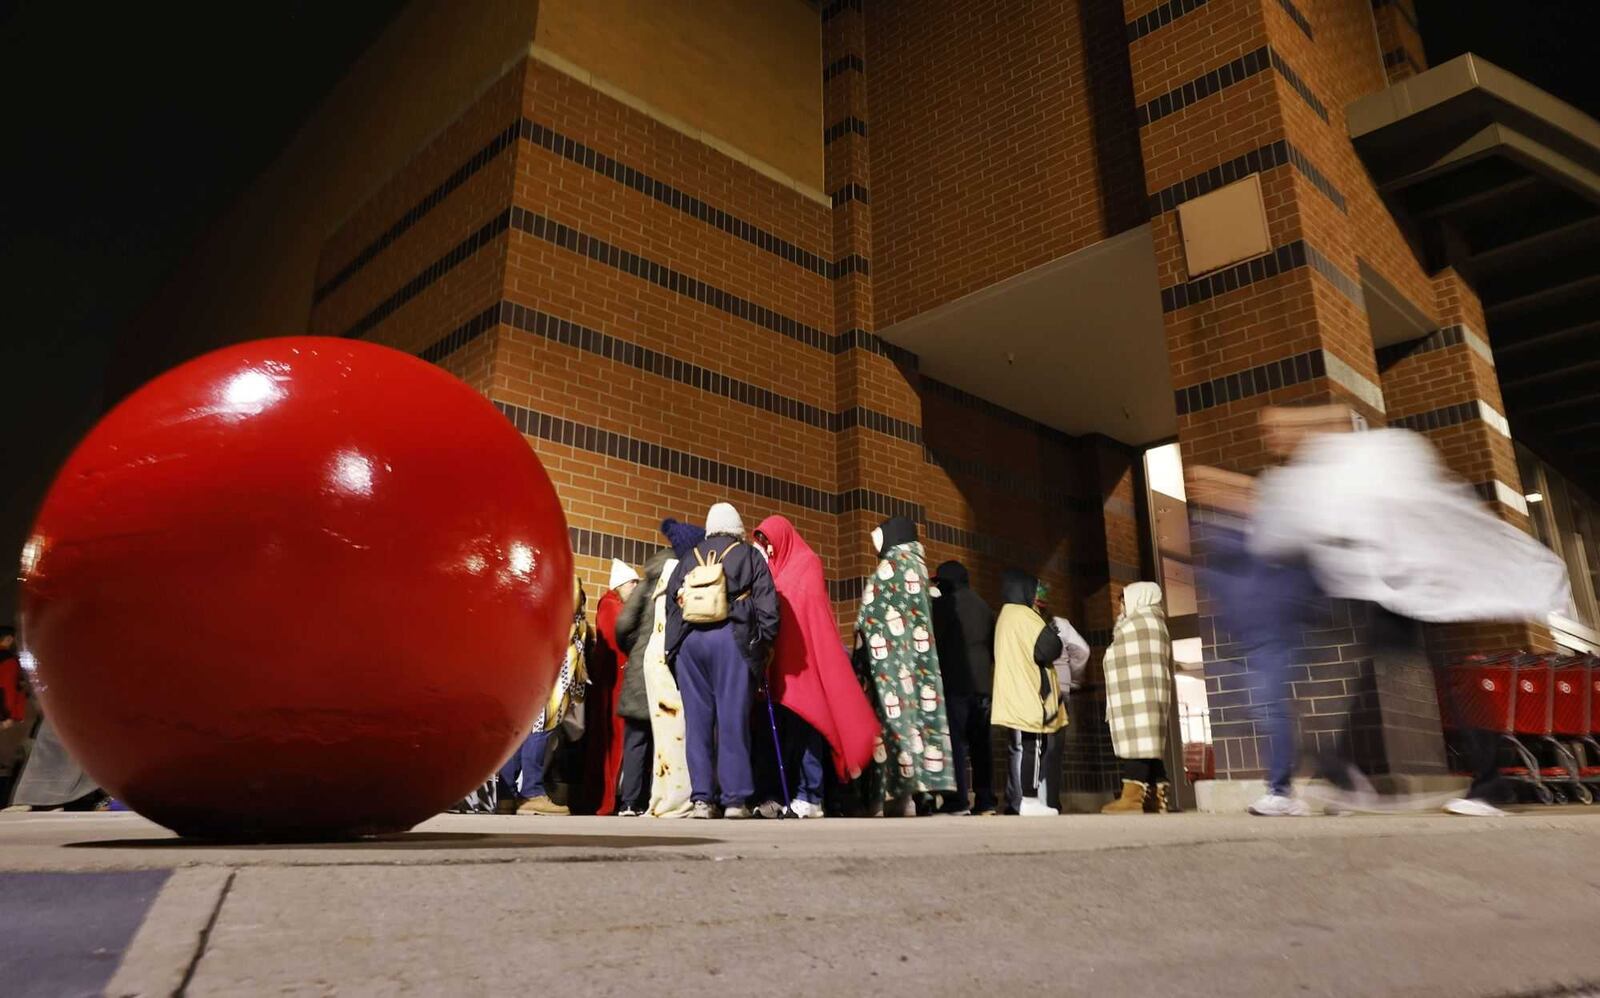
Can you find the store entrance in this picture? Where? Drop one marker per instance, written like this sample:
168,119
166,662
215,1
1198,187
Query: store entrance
1189,739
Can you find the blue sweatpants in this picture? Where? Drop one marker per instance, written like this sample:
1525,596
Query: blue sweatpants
1263,607
528,762
715,681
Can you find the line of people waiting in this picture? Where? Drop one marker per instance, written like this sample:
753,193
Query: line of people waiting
716,685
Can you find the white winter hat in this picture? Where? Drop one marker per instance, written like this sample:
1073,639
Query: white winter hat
621,574
724,519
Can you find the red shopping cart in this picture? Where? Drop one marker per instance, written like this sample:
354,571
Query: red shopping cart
1508,694
1575,691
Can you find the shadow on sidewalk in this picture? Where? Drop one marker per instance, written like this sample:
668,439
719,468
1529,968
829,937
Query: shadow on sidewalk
416,840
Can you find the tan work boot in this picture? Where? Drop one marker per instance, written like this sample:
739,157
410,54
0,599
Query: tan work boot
1156,802
541,805
1131,801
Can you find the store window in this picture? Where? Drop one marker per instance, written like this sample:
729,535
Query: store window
1565,519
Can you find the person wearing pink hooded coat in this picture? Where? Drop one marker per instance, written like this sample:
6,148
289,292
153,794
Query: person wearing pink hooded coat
811,674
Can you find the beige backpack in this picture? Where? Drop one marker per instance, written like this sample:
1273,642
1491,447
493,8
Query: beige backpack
704,596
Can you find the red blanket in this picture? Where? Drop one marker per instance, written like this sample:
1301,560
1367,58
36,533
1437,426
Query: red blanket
811,674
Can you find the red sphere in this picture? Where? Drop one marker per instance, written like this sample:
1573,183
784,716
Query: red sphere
297,588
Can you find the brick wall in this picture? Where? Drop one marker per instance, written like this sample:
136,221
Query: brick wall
671,326
1001,137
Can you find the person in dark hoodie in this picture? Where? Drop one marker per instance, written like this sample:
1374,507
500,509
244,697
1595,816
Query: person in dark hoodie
963,632
717,661
635,624
1027,697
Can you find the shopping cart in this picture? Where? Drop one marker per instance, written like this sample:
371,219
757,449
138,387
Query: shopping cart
1575,693
1508,694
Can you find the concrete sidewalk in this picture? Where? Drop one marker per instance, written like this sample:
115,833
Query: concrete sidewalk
1180,904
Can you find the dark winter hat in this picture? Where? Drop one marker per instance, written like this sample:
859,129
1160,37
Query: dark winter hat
682,536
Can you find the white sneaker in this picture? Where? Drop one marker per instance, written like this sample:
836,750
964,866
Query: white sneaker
737,812
1279,806
769,809
805,809
703,810
1472,807
1032,808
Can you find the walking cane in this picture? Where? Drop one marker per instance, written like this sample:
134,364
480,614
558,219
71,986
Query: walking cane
777,749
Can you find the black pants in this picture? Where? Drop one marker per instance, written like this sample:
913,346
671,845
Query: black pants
1031,758
1150,771
638,761
969,743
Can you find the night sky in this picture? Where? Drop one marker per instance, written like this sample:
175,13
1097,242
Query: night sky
131,126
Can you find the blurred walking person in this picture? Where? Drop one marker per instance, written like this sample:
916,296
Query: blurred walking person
1138,671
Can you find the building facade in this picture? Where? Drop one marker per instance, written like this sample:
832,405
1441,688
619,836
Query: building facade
967,262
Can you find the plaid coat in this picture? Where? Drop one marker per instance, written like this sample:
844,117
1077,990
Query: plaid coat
1138,670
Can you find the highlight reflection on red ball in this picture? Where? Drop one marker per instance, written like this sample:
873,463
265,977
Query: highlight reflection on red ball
299,587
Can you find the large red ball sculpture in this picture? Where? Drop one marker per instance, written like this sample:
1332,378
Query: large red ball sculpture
299,588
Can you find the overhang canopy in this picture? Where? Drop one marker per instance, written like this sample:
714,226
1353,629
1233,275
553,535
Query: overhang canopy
1493,176
1077,343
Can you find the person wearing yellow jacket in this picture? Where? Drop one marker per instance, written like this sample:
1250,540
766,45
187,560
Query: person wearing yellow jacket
1027,698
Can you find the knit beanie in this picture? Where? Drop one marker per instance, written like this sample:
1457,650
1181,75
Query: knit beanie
682,536
621,574
724,519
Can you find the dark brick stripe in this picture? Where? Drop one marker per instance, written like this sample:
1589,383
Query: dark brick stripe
1010,482
483,157
1243,68
1439,339
1268,157
586,156
430,274
1253,381
1395,57
839,129
838,7
855,263
1160,17
1298,18
988,408
846,590
1400,9
1299,85
1342,282
624,448
859,339
1201,87
642,358
843,64
1006,549
595,544
1282,260
677,282
1438,419
1290,256
462,334
851,192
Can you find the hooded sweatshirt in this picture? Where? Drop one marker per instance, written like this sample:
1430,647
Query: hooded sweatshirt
1026,691
963,630
811,673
